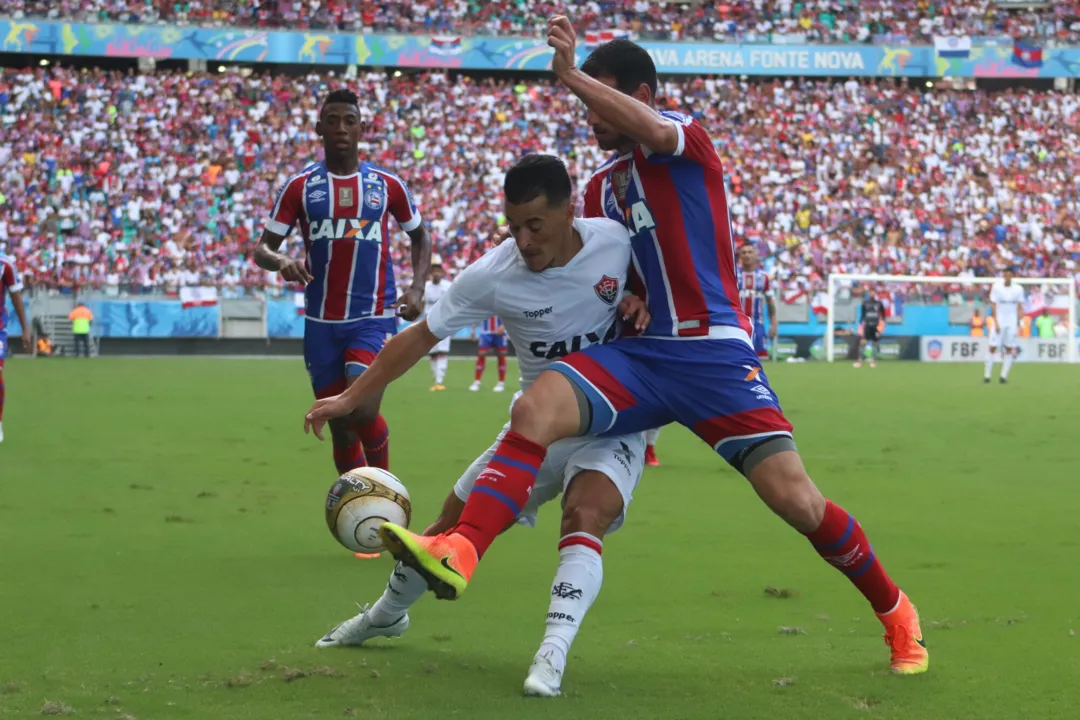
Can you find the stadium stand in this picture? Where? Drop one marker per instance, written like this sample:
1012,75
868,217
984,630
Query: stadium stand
723,20
143,183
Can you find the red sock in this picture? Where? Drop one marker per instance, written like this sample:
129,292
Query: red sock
1,393
502,367
349,457
481,362
840,540
376,439
501,491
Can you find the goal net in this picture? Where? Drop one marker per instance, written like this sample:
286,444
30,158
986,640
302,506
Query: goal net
955,299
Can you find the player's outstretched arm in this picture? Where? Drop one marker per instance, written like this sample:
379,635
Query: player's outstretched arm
626,115
268,256
402,352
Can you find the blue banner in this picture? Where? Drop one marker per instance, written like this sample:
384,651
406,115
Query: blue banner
152,319
987,58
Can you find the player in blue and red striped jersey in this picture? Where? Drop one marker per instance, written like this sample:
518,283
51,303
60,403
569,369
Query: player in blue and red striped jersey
755,294
491,336
694,364
343,207
10,283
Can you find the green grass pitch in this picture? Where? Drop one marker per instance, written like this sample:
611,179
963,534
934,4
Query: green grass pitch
163,554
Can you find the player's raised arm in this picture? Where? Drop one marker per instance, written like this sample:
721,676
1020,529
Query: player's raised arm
627,110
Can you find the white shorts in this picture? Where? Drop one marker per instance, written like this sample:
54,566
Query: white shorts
441,348
1005,337
621,458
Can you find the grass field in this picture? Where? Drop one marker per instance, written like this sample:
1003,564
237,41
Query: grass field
163,555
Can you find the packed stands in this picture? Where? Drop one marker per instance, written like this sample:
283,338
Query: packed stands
810,20
150,182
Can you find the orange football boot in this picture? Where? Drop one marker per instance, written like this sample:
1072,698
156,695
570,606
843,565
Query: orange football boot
904,638
447,562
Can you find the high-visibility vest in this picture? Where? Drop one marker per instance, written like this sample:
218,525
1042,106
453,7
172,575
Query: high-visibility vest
1025,326
977,322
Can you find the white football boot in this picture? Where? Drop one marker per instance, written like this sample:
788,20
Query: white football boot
499,387
544,679
475,387
358,630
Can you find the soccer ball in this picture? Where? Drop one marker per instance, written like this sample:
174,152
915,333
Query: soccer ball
360,502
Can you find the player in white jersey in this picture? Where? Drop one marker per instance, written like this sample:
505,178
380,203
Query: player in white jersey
439,356
557,288
1006,308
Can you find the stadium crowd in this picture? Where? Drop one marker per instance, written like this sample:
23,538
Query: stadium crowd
810,20
150,182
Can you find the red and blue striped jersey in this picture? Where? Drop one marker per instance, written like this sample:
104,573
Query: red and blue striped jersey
492,326
675,207
9,282
345,224
753,288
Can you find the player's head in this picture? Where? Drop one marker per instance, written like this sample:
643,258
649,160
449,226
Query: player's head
1010,273
538,209
437,272
340,124
748,256
628,68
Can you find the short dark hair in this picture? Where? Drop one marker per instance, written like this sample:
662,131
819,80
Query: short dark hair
627,62
343,96
535,175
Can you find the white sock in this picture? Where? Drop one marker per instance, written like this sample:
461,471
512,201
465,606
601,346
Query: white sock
988,366
576,585
435,369
406,586
651,436
1006,365
440,368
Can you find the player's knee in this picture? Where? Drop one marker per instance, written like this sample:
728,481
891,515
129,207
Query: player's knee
548,411
592,504
782,482
532,417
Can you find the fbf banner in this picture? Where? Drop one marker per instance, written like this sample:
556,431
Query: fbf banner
944,348
973,57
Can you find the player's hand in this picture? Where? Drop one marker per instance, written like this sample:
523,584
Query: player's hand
324,410
27,346
633,310
563,40
501,235
294,271
411,304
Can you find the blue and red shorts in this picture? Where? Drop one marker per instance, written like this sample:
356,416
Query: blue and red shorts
714,387
336,351
492,340
3,347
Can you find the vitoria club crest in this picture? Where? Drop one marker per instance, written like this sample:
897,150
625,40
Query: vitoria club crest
607,289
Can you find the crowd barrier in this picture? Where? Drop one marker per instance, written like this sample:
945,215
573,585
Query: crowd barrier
959,57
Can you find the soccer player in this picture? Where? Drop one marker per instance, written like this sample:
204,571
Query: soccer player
10,283
558,288
1006,308
439,356
651,436
755,294
492,335
343,207
871,326
695,364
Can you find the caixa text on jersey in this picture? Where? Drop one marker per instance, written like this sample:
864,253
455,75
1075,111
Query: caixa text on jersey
562,348
346,229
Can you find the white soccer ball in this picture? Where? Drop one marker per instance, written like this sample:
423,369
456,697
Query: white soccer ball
360,502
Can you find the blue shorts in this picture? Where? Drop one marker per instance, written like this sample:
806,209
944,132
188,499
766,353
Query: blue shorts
492,340
759,341
714,387
335,351
3,347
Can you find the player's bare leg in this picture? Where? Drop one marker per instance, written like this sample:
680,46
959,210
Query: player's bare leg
548,411
481,364
779,478
988,366
591,505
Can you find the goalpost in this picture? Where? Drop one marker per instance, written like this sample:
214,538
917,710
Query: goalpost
835,279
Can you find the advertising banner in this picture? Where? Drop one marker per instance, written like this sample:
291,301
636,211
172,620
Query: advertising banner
944,348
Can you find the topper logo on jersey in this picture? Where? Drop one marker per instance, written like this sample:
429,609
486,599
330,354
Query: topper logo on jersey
639,215
346,229
607,289
562,348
